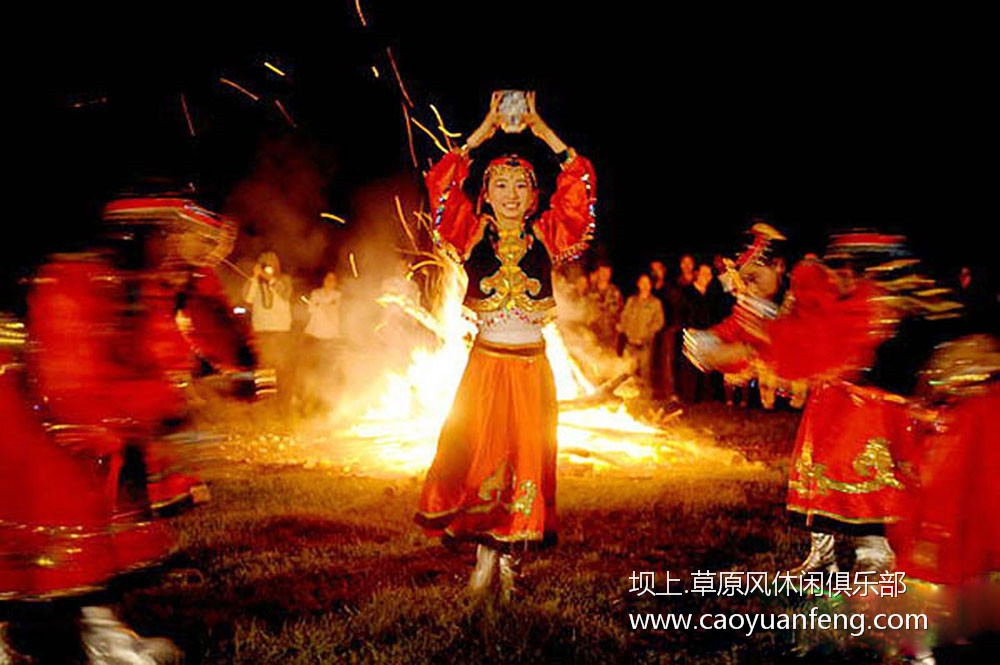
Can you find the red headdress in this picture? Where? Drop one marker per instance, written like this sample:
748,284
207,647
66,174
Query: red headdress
177,214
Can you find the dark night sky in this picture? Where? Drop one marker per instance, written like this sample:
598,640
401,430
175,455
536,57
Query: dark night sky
694,123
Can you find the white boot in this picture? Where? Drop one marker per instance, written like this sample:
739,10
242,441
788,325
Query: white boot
821,556
7,654
508,574
872,553
107,641
485,571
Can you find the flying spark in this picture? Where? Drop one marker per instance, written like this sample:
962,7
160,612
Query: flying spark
402,220
399,80
237,86
361,14
281,107
409,134
330,215
430,134
187,114
441,126
273,68
354,266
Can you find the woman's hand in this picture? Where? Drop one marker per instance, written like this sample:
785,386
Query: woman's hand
539,128
489,126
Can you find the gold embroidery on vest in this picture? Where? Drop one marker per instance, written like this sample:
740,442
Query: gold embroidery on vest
509,287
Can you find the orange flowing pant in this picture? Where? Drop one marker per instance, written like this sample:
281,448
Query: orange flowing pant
493,479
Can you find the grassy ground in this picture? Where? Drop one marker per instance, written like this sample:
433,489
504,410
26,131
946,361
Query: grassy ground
311,565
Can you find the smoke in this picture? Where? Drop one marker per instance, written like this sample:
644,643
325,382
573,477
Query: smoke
598,363
373,257
278,205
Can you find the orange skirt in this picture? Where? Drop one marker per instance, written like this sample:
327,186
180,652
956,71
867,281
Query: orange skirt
493,479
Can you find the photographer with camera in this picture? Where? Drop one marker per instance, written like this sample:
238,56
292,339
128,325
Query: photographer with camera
268,291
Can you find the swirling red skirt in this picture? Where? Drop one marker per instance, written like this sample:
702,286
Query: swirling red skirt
854,456
57,532
493,479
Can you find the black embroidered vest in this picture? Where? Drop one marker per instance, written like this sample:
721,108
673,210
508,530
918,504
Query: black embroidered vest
509,270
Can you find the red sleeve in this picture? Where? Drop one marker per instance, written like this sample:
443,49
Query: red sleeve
567,226
730,330
455,222
825,335
63,314
82,362
216,334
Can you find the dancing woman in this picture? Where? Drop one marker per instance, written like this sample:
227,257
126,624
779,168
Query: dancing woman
493,479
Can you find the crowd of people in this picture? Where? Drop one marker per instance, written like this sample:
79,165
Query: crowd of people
646,328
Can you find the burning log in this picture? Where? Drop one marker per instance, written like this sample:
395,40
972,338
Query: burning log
604,394
417,313
583,453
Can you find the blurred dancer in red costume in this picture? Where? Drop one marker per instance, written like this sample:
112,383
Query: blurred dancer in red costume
493,479
122,330
114,334
948,543
854,460
59,540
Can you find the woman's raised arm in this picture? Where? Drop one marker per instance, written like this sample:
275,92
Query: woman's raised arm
568,225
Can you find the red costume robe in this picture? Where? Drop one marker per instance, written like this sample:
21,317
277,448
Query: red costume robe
110,351
950,533
854,451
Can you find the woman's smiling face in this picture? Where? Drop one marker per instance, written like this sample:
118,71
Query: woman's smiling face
510,193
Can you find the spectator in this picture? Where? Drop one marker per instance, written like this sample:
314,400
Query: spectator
641,320
324,310
592,279
658,274
581,287
673,344
687,271
607,303
268,292
699,311
318,373
662,370
581,311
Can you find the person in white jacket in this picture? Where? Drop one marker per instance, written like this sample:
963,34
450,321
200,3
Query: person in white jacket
319,374
268,291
